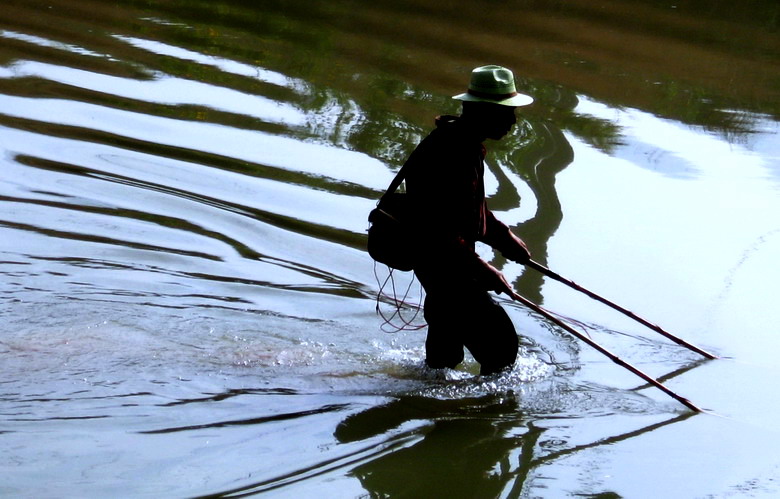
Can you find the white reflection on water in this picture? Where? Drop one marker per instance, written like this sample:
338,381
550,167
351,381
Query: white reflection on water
296,201
226,65
260,148
690,245
43,42
162,89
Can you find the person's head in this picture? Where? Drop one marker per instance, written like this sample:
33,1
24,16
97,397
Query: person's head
490,102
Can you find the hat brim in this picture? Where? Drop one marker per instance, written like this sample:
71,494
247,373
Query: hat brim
514,101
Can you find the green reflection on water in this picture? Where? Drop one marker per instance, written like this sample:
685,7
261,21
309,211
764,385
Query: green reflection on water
350,53
360,57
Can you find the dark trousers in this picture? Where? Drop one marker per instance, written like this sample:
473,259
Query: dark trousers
460,313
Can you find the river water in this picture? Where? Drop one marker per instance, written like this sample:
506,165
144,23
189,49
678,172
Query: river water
187,308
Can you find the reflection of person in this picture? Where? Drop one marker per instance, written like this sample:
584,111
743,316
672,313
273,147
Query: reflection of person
446,193
476,450
492,455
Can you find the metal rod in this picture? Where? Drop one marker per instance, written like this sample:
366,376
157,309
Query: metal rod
544,270
614,358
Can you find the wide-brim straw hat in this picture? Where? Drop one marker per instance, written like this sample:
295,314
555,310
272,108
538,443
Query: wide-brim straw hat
496,85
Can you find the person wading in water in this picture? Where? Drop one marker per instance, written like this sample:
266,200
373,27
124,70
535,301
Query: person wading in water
446,195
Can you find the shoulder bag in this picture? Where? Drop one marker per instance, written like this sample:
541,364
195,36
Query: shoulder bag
389,234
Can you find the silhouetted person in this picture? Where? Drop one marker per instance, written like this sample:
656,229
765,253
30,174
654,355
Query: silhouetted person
445,187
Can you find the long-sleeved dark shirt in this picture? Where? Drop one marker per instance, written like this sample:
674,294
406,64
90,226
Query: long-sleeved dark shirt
446,191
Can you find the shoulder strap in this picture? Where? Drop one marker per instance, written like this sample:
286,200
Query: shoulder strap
399,177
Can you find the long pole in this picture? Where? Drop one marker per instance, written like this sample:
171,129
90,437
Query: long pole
544,270
614,358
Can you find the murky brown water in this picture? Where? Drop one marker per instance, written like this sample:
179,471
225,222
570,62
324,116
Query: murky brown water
187,309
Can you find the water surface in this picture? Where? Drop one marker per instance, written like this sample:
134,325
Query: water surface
187,308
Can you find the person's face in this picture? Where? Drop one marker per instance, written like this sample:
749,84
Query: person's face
495,121
503,120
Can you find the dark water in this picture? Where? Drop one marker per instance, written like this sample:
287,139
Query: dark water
186,307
